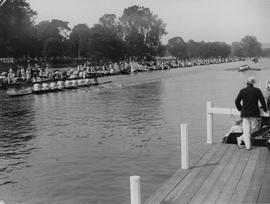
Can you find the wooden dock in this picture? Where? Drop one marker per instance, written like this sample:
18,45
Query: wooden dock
225,174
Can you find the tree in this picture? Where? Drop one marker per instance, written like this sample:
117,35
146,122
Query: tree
55,29
142,31
52,47
194,49
236,49
79,37
266,52
207,49
215,49
250,46
105,44
16,20
177,47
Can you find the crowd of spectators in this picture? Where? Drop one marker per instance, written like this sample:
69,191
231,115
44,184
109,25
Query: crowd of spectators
38,72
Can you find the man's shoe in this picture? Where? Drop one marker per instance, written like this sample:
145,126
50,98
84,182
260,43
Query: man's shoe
267,143
224,139
239,141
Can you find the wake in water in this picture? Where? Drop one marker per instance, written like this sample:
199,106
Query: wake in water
237,69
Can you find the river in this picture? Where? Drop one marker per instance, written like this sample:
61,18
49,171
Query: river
81,146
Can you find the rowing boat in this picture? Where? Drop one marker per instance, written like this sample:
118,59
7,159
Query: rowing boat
19,92
50,87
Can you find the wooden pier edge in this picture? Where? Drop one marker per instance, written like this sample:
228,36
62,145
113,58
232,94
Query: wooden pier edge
163,191
230,175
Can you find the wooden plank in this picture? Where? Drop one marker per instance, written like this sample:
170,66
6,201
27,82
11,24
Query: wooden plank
169,186
264,196
257,178
209,183
243,185
190,176
200,178
223,178
234,178
165,189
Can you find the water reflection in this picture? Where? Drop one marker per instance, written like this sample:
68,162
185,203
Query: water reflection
128,114
16,135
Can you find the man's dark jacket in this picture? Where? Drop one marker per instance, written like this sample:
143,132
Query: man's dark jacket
250,96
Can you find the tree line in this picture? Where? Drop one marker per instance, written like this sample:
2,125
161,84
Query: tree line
137,33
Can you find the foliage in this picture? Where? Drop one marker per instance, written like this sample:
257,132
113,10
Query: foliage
56,31
79,38
215,49
104,44
177,47
236,49
266,52
207,49
142,31
137,33
250,46
111,22
52,47
193,49
16,19
247,47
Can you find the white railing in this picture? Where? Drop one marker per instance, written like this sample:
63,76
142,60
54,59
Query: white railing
135,189
210,111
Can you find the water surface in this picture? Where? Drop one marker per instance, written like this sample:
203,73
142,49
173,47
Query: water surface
81,146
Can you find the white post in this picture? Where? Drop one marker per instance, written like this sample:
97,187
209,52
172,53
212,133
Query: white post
184,147
135,190
209,122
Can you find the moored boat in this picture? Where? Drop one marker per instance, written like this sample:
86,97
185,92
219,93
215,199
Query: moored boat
243,68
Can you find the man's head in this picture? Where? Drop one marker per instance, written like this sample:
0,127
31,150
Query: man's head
251,81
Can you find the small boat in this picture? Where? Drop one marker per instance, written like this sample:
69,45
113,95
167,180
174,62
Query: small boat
243,68
19,92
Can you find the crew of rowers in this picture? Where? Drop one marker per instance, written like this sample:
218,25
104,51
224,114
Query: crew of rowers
38,74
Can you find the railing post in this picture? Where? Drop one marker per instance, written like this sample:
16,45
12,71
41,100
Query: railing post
209,121
135,190
184,147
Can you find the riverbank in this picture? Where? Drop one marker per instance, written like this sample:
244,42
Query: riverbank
38,74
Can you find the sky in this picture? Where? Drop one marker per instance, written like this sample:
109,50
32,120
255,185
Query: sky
199,20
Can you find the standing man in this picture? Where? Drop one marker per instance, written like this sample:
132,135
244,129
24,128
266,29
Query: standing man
250,112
